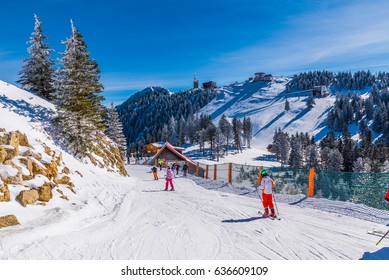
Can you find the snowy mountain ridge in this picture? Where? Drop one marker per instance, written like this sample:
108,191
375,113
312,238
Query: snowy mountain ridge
264,103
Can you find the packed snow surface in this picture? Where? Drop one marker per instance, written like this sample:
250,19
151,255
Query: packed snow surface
132,218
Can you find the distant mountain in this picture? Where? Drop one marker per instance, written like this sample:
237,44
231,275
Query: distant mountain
145,113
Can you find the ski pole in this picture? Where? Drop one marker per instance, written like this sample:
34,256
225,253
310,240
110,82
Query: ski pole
275,204
383,237
260,197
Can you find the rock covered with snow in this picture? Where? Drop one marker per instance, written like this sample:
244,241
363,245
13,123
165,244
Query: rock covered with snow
9,220
37,168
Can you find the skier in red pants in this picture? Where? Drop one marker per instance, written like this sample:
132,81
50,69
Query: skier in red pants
169,179
267,185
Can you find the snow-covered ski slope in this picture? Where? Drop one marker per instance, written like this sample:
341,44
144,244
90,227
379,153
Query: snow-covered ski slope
264,103
135,219
115,217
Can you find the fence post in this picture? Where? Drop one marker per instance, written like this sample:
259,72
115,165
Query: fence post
206,171
197,169
214,172
259,175
229,173
311,183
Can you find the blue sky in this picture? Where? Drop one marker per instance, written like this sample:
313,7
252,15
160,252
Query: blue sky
163,43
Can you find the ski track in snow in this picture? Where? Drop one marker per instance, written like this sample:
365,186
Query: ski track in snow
133,219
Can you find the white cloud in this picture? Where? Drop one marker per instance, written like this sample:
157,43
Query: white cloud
336,38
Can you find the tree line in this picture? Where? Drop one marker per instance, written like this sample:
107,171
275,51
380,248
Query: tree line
340,81
73,85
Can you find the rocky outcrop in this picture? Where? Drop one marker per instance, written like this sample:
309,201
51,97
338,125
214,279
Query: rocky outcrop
9,220
40,169
4,193
108,156
45,193
3,154
28,197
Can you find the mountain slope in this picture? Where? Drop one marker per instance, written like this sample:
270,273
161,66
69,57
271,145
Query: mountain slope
264,103
30,159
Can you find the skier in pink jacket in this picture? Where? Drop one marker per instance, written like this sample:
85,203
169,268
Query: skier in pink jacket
169,179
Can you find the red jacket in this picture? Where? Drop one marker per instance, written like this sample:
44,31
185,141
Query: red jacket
387,195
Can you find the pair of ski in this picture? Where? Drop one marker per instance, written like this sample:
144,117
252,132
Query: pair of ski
380,233
270,217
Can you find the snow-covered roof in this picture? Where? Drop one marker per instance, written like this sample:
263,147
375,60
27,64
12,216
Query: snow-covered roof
160,145
173,149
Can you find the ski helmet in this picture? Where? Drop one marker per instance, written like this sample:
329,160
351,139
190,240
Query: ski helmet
264,172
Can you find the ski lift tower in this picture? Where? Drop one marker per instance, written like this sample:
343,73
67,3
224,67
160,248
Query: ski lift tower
195,82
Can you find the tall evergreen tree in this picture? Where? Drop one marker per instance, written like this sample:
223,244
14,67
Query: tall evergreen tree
247,131
211,132
347,150
237,128
36,75
287,105
182,131
295,157
312,156
226,129
115,130
220,139
173,134
335,160
81,115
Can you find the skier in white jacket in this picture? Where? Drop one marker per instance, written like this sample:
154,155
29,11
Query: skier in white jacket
267,185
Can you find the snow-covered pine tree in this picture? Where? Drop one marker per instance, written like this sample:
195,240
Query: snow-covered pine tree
115,130
312,156
202,139
80,118
347,151
226,129
220,139
247,131
182,131
281,146
335,160
237,128
284,147
287,105
165,133
211,136
36,75
295,157
191,130
310,101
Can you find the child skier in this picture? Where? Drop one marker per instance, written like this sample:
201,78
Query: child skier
160,162
267,185
155,172
169,179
